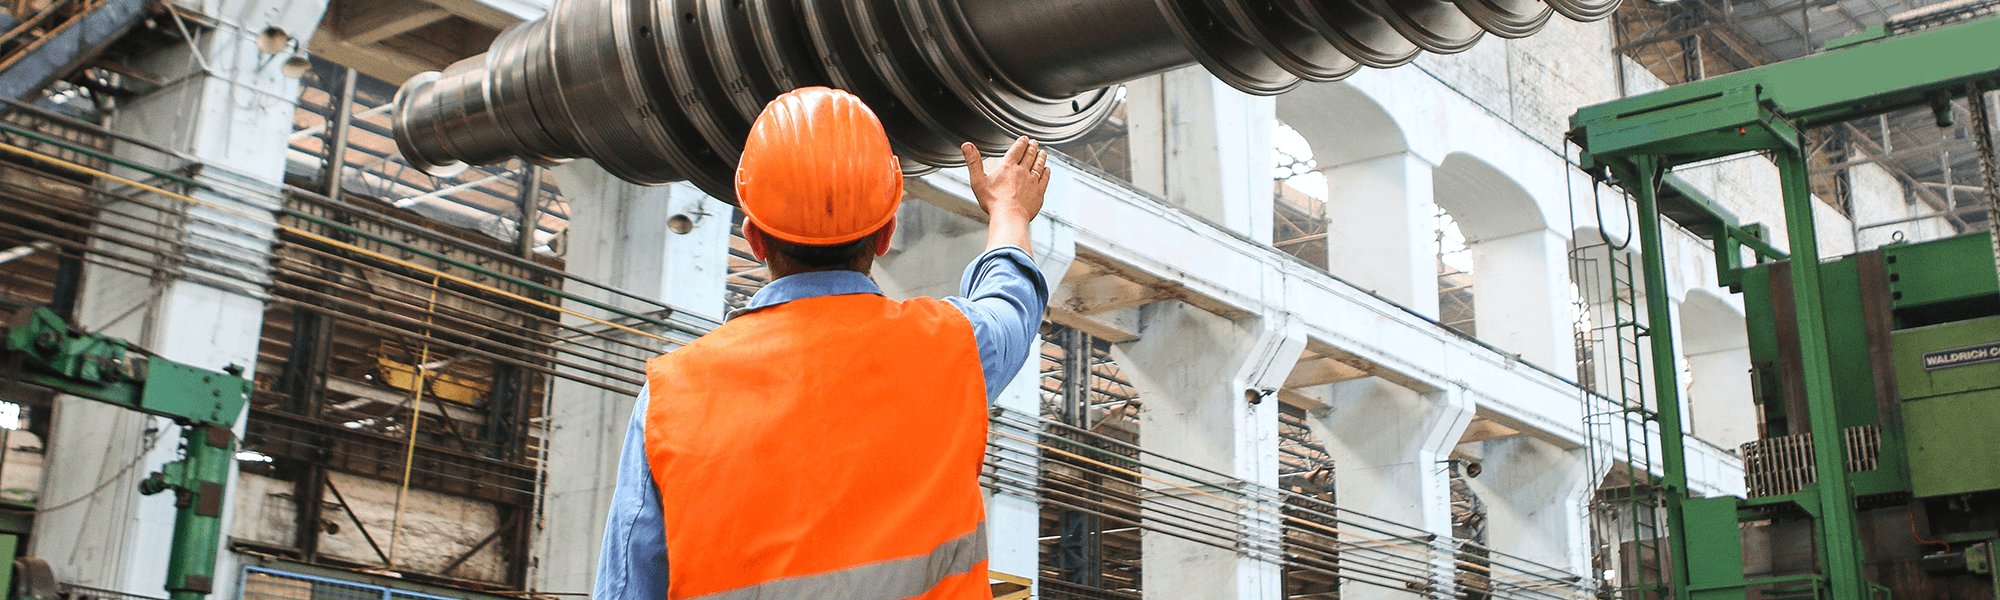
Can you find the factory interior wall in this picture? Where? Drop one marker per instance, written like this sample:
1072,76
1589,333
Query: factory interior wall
1220,313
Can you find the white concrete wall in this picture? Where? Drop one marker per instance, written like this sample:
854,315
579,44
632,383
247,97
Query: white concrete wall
1478,133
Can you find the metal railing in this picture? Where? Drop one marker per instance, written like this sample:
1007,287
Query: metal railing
1159,495
260,583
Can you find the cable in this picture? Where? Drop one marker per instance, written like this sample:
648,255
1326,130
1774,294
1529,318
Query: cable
1920,538
1597,206
152,439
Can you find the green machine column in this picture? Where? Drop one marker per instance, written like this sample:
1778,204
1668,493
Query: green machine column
1666,387
1840,539
198,482
206,404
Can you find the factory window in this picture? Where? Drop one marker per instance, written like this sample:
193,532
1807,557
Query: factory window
1468,529
1090,534
419,329
489,200
1454,275
1298,190
1305,479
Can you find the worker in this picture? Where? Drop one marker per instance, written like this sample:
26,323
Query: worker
826,441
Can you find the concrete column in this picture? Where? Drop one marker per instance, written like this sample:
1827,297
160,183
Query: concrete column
1535,494
1389,442
1381,228
233,115
1195,372
618,235
1218,141
1521,297
1146,133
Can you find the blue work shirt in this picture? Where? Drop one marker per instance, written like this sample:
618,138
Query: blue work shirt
1004,296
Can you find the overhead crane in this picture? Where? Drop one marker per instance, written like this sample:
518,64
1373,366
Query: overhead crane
1877,375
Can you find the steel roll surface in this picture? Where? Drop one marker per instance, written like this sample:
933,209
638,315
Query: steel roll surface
657,91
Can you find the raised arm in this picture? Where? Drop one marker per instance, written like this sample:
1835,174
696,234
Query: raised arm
1011,193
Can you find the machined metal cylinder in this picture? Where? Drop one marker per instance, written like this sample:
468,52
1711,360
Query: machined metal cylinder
658,91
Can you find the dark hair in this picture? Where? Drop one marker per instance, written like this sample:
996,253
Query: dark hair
824,257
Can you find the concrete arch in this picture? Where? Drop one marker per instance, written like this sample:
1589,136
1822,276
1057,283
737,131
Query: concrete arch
1378,200
1520,278
1710,322
1717,350
1341,122
1487,203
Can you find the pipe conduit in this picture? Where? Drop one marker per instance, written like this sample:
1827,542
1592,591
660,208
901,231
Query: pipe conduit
658,91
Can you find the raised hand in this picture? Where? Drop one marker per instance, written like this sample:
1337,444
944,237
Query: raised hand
1013,189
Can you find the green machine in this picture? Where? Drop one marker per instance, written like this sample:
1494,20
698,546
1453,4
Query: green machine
38,349
1889,359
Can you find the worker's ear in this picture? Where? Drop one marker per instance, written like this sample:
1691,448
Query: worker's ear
883,236
760,246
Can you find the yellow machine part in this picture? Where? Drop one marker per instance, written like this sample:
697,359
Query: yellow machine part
448,387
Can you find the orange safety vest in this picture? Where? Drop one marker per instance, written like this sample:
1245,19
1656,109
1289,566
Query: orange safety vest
827,447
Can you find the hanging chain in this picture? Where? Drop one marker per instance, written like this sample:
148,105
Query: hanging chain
1976,97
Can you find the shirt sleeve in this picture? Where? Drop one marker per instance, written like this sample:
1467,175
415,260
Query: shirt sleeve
633,561
1004,295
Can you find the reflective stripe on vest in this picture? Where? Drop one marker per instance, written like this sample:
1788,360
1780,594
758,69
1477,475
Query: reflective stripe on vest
886,580
827,447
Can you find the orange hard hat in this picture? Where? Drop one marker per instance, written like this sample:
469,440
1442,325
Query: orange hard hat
817,169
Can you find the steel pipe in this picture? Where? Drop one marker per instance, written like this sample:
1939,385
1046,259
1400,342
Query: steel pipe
658,91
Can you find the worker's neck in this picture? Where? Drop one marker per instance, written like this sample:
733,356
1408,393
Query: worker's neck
782,266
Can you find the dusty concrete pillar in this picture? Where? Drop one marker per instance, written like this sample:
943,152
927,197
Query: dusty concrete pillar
1146,133
1535,494
1381,226
1521,297
232,115
1195,372
1204,147
618,235
1389,443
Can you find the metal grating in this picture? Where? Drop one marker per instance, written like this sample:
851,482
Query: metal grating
1784,465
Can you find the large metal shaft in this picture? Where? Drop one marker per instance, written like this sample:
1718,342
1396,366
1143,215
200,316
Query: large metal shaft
658,91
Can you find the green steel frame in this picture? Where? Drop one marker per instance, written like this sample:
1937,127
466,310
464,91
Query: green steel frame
41,350
1636,141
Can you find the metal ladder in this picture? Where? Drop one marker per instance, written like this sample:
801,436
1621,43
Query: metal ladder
1618,425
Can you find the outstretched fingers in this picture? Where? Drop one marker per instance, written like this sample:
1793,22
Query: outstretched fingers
976,170
1018,152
